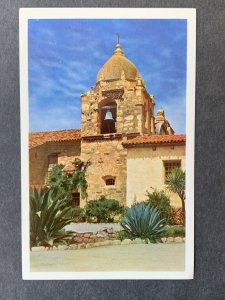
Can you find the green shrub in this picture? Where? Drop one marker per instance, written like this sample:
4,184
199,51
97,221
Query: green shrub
102,210
77,214
144,222
160,200
174,231
47,219
64,184
122,235
118,218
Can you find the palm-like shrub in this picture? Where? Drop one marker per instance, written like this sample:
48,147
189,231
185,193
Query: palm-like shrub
47,219
143,222
176,184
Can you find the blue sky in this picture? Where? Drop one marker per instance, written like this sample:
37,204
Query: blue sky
65,56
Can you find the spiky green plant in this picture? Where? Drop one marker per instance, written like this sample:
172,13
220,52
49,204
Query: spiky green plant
143,222
176,184
47,219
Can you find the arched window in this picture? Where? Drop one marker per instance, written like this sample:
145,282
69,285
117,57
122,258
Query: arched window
108,116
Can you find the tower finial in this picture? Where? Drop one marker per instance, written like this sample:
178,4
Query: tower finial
118,50
118,37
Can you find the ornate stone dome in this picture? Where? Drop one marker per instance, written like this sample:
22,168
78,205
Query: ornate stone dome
117,67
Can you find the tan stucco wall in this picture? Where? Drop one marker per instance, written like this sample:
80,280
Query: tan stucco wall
38,158
145,169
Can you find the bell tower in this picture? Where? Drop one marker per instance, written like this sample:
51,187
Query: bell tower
116,108
119,101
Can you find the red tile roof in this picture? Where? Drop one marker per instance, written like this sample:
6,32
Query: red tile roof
40,138
156,140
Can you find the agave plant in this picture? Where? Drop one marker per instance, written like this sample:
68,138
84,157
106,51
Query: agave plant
48,219
143,222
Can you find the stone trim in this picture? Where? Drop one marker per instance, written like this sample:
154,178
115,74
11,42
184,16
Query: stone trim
144,145
164,240
113,94
110,136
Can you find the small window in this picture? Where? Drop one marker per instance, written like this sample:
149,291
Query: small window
110,181
169,166
75,199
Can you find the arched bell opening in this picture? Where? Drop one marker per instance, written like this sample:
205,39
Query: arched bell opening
108,116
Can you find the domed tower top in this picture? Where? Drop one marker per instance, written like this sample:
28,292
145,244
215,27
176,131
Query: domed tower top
119,102
117,67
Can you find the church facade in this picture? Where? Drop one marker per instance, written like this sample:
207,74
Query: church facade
131,149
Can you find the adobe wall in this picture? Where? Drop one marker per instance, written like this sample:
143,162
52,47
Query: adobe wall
38,158
145,169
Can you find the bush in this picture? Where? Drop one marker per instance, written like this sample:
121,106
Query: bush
77,214
174,231
122,235
47,219
143,222
160,200
64,183
102,210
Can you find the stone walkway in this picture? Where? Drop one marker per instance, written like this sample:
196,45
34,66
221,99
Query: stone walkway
140,257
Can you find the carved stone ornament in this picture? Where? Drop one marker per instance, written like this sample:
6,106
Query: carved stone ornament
113,94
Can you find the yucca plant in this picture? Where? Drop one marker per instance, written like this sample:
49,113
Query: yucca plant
143,222
176,184
48,219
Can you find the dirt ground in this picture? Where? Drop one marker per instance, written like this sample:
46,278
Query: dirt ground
140,257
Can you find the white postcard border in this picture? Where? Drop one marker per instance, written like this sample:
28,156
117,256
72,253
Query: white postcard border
108,13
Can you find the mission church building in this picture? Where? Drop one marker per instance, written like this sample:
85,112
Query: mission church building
130,149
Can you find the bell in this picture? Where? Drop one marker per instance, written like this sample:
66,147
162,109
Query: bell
108,116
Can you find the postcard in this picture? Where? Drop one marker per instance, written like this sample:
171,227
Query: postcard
107,142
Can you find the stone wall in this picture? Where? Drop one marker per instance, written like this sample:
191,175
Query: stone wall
145,170
108,158
135,107
93,237
38,158
135,113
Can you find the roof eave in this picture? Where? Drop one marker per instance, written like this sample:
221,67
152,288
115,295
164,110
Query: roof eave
147,144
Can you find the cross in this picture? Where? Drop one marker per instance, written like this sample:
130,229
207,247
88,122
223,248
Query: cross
118,37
